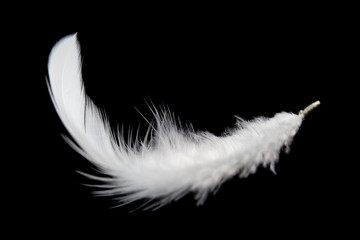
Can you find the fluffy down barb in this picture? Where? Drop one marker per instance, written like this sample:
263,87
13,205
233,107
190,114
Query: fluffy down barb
171,160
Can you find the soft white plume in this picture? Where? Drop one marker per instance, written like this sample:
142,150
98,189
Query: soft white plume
171,160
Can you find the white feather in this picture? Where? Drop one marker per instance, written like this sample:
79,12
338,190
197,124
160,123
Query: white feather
169,162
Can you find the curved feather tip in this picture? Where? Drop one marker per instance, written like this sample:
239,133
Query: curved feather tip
171,160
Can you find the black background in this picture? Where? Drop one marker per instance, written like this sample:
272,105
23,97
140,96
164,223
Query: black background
206,66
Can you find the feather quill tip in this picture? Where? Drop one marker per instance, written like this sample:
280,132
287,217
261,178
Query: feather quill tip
308,109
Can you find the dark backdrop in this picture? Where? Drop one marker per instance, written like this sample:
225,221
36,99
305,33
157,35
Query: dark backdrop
206,69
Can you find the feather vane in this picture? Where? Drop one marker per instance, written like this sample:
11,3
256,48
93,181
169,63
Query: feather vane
171,160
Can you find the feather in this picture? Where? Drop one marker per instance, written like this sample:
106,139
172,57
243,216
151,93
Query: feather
171,160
